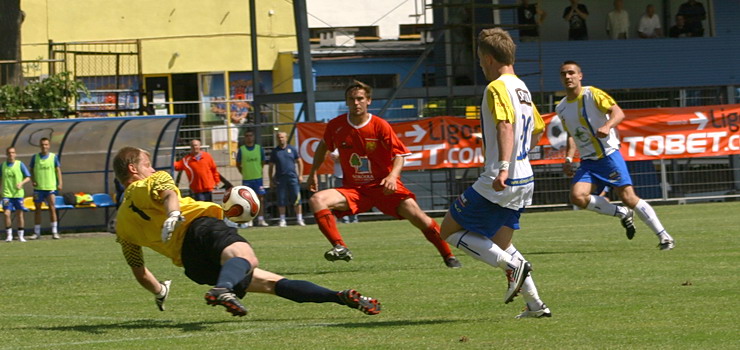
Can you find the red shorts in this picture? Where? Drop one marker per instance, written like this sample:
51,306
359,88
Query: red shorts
363,198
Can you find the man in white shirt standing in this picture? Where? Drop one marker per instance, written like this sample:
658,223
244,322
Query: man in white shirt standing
618,22
649,27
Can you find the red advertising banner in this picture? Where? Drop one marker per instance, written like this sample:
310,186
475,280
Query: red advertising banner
654,133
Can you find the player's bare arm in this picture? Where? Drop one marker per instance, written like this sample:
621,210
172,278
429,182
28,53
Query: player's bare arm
570,152
616,115
59,178
505,139
390,182
318,159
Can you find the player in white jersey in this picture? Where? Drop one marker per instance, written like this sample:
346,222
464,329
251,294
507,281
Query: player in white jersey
590,117
482,220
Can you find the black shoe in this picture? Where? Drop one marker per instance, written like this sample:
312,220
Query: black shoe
628,222
339,252
225,297
452,262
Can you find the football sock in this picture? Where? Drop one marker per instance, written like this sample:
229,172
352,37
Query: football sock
601,205
299,217
481,248
529,290
53,227
21,233
646,213
328,226
37,229
305,292
232,272
9,233
432,235
260,218
282,217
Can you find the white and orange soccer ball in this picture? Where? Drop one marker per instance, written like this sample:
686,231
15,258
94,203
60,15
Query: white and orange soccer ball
240,204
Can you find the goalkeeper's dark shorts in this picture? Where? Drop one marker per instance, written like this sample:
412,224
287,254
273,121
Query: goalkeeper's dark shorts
204,241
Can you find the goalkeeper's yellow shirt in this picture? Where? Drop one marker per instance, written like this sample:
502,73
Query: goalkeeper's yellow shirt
142,213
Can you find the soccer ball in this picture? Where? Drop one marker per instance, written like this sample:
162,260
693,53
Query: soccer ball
240,204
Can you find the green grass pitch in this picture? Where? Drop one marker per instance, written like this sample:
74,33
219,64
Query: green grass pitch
605,292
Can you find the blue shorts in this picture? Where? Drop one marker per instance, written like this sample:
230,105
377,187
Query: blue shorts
477,214
13,204
288,191
42,196
608,171
256,185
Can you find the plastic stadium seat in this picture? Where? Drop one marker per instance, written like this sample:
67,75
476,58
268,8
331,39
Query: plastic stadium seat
28,203
103,200
59,203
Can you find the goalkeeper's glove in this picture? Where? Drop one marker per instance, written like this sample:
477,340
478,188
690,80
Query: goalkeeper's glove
169,225
161,297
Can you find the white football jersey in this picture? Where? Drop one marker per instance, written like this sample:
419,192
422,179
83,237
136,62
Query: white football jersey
507,98
583,116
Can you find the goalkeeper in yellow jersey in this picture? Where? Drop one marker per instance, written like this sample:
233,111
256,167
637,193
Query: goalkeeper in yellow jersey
193,235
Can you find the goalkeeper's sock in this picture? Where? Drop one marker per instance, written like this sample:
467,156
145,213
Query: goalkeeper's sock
232,272
481,248
304,292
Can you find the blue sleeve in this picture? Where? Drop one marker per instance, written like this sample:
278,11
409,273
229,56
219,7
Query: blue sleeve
56,162
262,155
273,156
33,161
296,156
239,155
25,171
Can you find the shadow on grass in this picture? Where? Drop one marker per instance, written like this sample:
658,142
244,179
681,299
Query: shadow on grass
136,324
395,323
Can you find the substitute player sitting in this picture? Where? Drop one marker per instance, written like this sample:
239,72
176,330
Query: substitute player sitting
371,156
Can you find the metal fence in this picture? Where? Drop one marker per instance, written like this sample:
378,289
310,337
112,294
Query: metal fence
677,180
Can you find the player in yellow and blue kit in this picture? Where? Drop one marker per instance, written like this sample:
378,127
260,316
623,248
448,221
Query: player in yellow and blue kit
46,174
193,235
590,117
483,219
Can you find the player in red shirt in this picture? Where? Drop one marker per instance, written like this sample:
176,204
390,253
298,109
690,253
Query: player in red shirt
371,156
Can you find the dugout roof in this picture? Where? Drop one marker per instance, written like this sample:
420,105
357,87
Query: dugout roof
86,146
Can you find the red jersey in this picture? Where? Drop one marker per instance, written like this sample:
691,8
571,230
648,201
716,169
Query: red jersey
366,151
201,171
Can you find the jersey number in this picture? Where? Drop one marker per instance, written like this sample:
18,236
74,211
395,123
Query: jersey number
526,132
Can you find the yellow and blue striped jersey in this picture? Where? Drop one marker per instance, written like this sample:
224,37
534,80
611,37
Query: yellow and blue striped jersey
583,116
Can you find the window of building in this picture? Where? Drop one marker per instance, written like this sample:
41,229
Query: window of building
366,33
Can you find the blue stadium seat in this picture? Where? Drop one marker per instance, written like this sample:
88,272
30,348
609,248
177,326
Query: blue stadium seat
103,200
59,203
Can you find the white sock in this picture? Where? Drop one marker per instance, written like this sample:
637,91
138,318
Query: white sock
53,227
646,213
481,248
260,218
37,229
282,217
299,217
529,290
601,205
9,233
21,233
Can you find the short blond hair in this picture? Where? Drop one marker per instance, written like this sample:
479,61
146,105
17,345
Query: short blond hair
497,43
125,156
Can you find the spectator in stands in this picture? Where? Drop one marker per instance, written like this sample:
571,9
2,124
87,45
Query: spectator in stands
14,175
693,13
649,27
533,16
286,170
680,30
618,22
337,179
46,174
576,15
201,171
250,161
